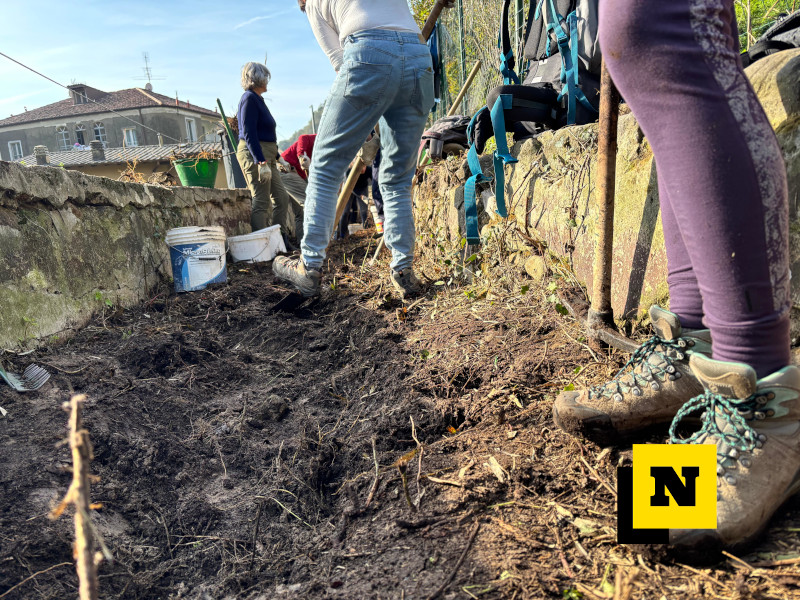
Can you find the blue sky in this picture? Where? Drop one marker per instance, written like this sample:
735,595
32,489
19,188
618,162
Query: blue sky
197,47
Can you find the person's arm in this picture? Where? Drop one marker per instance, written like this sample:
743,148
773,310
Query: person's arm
327,36
249,128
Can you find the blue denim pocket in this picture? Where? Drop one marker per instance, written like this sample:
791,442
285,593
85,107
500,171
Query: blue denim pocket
365,83
422,98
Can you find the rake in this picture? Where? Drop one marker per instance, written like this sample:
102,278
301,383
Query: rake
31,379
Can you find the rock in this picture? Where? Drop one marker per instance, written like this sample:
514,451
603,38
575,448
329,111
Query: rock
774,79
536,267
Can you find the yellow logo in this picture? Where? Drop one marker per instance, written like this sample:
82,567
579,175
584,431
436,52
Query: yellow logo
674,486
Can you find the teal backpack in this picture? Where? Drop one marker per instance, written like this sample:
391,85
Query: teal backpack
560,86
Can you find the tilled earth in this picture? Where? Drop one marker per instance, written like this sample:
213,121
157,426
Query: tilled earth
357,448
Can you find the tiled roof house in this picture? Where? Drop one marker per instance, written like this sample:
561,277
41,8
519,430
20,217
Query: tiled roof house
129,118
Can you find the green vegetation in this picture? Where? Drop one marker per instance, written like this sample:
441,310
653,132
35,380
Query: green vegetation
756,16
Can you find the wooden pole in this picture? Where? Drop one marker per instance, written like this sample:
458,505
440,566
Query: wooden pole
600,312
464,89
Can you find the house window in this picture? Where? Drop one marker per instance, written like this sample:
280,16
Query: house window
62,137
191,131
130,137
100,133
80,134
15,150
80,95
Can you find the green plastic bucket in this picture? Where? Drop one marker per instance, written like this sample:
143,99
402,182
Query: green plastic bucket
197,172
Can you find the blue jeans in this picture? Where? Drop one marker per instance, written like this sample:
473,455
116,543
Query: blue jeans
386,78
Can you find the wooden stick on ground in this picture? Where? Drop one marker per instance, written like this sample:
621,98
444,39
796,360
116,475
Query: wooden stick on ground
78,494
461,558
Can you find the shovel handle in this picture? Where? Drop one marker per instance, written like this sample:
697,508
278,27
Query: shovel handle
430,23
601,310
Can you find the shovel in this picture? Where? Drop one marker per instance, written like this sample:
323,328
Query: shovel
599,316
31,379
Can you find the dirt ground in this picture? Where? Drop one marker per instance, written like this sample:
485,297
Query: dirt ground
355,449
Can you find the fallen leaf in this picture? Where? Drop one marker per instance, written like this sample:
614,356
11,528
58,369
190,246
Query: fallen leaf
496,469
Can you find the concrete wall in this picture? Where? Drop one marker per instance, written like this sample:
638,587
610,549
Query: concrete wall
70,241
550,193
168,120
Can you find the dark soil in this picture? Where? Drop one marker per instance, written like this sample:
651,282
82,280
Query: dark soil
212,418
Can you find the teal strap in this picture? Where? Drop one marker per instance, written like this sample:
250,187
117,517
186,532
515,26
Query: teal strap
502,156
470,204
568,47
509,76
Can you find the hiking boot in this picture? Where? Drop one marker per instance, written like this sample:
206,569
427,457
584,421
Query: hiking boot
756,428
406,283
649,390
293,270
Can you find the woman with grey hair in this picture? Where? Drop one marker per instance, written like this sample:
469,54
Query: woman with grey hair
258,152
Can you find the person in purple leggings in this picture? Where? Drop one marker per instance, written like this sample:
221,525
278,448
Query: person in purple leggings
724,346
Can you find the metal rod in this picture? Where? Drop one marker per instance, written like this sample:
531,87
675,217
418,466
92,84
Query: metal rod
464,88
601,310
313,121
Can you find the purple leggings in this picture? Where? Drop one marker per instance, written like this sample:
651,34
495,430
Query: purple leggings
721,176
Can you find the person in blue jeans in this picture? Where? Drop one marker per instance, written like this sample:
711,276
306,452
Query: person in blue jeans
384,76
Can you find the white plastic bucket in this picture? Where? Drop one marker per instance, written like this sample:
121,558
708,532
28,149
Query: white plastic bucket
197,255
259,246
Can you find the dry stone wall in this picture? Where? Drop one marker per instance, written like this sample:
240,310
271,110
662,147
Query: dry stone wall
552,202
72,244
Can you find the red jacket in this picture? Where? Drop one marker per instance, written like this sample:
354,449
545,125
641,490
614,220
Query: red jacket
303,145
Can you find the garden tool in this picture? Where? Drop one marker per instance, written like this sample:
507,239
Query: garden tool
32,378
599,316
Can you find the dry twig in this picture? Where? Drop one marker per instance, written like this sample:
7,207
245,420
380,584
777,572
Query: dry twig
29,577
457,566
78,495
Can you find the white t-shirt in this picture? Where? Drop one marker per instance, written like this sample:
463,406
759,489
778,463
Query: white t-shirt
333,20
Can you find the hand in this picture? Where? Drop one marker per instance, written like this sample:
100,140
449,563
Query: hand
264,172
370,149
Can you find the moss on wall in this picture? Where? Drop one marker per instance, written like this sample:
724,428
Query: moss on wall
71,241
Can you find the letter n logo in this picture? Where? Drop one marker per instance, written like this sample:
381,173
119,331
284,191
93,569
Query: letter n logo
685,494
674,486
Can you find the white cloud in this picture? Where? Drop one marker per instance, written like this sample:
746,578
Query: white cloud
261,18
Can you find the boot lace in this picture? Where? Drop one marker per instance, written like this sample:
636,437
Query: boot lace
736,433
649,374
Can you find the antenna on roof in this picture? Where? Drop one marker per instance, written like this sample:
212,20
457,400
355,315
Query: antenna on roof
148,72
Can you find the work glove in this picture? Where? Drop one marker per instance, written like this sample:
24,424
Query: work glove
370,149
264,173
305,161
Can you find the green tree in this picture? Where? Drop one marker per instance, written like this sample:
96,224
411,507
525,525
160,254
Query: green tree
754,17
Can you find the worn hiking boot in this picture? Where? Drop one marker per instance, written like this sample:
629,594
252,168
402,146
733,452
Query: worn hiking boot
756,428
293,270
406,283
647,391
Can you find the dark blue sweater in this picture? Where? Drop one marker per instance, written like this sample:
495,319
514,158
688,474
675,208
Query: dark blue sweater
255,124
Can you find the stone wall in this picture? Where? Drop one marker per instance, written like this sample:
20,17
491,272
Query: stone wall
70,242
550,193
